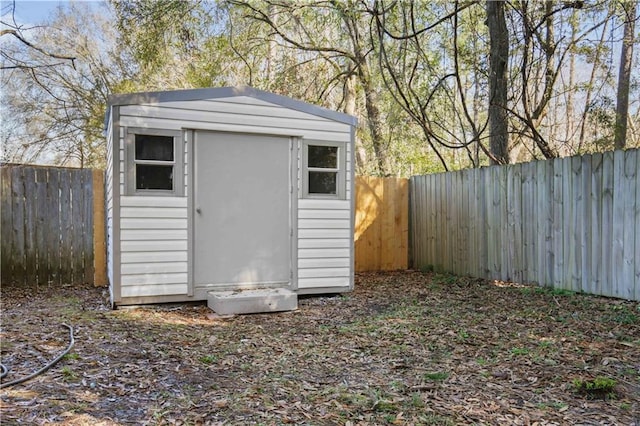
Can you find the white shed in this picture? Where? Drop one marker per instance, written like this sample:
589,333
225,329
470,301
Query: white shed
227,191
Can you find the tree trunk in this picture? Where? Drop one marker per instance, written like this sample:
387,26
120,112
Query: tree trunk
350,107
498,60
564,149
624,76
272,51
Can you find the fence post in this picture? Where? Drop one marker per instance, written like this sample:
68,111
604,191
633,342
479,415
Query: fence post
99,247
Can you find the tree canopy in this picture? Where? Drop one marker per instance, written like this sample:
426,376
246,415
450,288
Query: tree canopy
436,86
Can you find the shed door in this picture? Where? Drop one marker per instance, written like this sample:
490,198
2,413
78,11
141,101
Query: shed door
242,214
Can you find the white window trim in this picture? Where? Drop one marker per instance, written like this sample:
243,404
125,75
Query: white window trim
341,185
130,162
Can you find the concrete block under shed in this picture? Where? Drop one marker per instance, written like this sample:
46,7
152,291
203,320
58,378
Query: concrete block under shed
252,301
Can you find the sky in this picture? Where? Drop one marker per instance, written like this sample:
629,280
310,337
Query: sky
29,12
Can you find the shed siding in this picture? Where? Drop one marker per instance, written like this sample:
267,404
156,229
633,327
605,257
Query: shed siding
154,246
155,230
324,243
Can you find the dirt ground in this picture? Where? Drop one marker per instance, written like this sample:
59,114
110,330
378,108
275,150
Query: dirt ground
404,348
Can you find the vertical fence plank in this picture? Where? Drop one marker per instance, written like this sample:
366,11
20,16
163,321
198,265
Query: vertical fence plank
401,225
617,249
42,220
53,228
473,224
595,201
496,221
503,229
585,258
88,245
77,202
454,197
66,227
465,221
416,222
76,198
386,212
637,233
17,211
606,248
630,170
569,226
6,225
427,202
515,222
578,223
558,224
30,249
420,239
527,221
483,240
544,209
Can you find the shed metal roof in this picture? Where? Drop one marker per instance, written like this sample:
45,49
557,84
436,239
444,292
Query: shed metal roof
226,92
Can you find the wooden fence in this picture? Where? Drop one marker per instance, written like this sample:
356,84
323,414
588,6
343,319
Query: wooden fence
381,224
571,223
52,226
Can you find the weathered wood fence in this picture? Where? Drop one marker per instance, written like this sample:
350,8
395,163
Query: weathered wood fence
571,223
52,226
381,224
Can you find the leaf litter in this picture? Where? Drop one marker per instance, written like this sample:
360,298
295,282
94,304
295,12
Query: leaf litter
404,348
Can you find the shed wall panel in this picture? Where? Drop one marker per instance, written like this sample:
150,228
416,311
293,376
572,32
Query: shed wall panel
153,234
154,268
321,282
153,280
167,289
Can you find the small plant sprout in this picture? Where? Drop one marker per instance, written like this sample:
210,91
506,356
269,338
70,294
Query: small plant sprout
600,387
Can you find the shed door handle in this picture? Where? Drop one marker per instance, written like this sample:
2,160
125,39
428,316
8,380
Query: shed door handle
198,210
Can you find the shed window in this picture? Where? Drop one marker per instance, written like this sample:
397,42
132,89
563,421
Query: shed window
324,169
154,165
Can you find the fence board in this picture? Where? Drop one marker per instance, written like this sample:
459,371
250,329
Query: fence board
66,225
30,256
6,226
607,224
88,248
617,252
53,242
557,227
17,223
42,216
595,201
577,224
636,279
568,225
571,223
629,173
